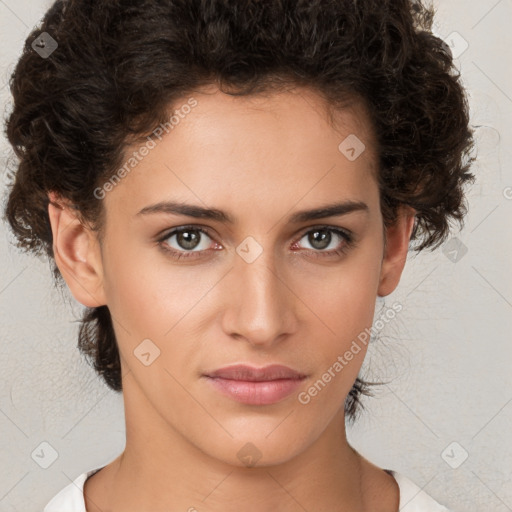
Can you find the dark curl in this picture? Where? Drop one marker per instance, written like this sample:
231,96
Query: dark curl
121,64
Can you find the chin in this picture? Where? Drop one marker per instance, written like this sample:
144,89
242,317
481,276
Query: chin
256,447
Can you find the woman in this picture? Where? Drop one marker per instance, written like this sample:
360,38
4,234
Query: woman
228,187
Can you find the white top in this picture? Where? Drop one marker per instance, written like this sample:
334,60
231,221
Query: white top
412,498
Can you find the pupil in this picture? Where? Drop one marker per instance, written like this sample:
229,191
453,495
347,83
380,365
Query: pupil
324,238
188,239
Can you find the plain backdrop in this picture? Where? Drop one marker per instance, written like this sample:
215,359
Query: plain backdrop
445,417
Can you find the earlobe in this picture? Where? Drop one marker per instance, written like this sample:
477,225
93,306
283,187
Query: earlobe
76,253
397,236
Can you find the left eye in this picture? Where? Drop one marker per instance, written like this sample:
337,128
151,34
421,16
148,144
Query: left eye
322,240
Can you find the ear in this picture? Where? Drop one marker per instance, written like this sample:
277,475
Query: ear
76,252
395,253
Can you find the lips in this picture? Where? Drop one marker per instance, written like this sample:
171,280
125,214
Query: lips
256,386
251,374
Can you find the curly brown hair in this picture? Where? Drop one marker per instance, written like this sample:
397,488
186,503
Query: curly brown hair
120,64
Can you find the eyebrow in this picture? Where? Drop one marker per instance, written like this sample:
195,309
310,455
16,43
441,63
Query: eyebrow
199,212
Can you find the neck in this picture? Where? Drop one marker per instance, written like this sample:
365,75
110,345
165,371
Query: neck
173,472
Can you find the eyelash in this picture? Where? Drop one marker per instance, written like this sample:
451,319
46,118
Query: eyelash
347,236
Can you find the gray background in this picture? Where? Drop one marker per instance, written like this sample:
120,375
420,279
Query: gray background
447,355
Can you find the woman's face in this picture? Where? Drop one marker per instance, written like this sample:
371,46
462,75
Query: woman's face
257,282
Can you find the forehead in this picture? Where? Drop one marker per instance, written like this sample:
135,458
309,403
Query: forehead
301,113
278,147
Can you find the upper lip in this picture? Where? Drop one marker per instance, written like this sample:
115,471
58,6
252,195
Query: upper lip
251,373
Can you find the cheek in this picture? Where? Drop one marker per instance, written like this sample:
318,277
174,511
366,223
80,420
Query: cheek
150,298
344,319
343,299
345,307
343,303
141,295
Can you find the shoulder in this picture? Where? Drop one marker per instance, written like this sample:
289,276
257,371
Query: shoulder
71,498
413,498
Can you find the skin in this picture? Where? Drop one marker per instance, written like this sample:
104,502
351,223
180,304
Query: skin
260,159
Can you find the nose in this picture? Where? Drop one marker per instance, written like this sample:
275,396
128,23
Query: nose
261,308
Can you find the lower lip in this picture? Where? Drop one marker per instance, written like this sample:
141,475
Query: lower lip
256,393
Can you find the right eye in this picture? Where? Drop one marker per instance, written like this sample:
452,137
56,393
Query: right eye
188,242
